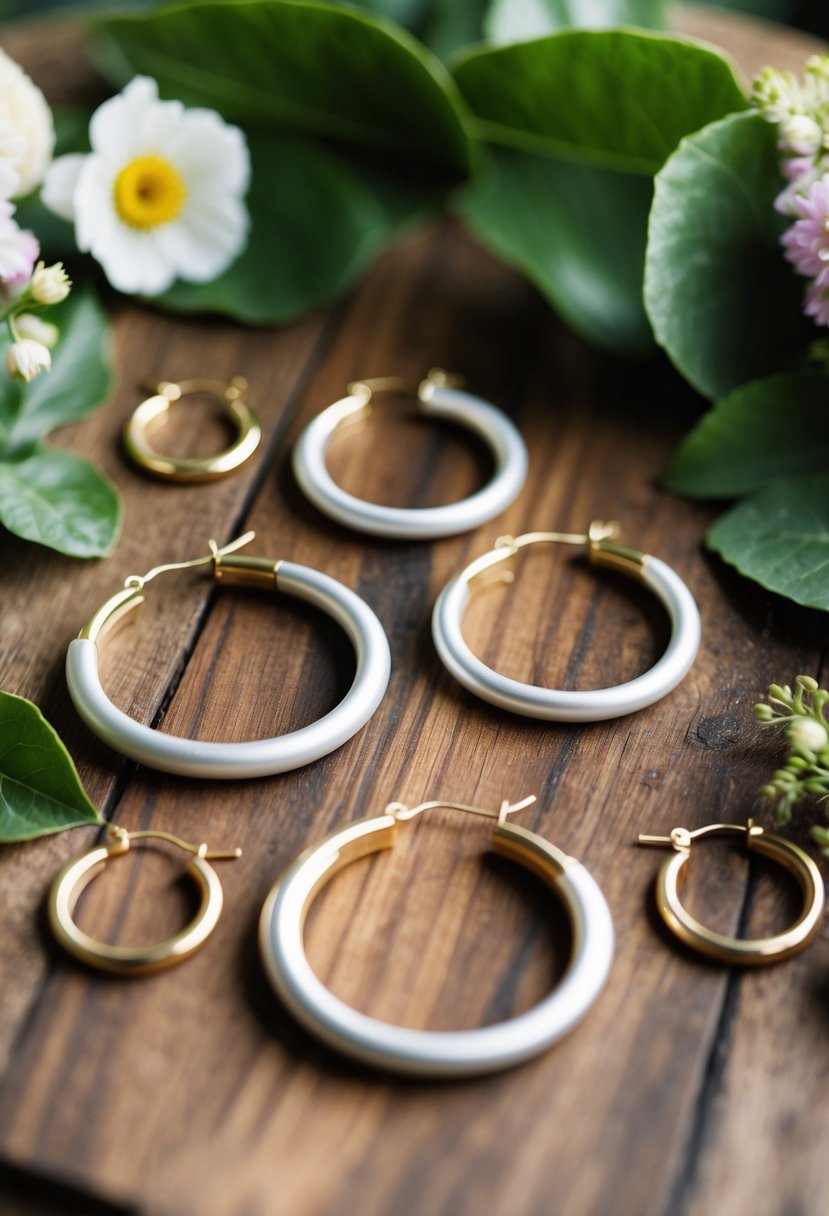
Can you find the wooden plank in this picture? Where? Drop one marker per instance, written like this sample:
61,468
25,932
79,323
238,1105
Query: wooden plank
192,1091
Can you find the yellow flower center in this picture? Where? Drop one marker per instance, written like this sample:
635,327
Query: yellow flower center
149,191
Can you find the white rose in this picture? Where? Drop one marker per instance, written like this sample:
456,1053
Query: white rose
27,133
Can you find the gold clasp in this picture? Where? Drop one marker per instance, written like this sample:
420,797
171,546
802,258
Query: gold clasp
599,540
400,812
680,838
215,556
118,842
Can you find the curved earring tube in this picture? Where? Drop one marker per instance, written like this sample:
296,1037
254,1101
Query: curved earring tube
421,1052
746,952
78,873
436,399
193,469
559,705
256,758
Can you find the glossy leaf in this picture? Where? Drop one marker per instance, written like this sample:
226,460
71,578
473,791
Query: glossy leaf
316,221
518,20
292,66
722,300
59,500
575,231
80,380
616,99
780,538
40,791
764,430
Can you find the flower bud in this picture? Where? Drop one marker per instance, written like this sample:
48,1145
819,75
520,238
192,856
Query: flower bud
807,682
801,135
815,786
806,734
26,358
763,712
50,284
781,693
768,791
30,326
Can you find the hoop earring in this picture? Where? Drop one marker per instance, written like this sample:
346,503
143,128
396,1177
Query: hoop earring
258,758
422,1052
437,399
77,874
747,952
556,704
204,468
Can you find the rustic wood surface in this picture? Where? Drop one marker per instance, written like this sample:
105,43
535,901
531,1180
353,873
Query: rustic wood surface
690,1088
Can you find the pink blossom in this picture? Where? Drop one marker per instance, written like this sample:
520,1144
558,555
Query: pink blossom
816,303
18,252
807,240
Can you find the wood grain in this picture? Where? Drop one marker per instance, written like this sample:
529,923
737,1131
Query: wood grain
689,1088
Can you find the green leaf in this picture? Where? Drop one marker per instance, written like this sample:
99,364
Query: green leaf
81,378
575,231
721,298
518,20
297,67
40,791
56,499
780,538
452,24
761,431
316,222
616,99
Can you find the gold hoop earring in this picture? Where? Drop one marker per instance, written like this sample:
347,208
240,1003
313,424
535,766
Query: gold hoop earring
747,952
205,468
127,960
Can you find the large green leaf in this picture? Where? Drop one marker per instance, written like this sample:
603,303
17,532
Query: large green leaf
764,430
80,380
316,221
577,232
293,66
56,499
780,538
40,791
518,20
722,299
617,99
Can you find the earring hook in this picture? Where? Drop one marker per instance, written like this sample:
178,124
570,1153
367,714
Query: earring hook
139,580
119,839
401,812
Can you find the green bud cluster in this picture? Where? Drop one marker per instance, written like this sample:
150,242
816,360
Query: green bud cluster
800,714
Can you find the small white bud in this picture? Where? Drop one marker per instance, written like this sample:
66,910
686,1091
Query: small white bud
26,358
807,734
801,135
50,284
30,326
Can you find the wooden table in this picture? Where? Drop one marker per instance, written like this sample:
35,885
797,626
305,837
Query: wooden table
690,1088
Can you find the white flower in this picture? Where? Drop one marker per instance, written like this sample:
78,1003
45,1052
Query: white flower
26,358
27,134
160,196
808,735
50,284
800,135
18,250
28,325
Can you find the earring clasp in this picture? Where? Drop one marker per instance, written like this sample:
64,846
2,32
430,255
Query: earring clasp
680,839
118,841
600,540
400,812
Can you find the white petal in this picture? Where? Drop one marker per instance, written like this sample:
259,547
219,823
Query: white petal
60,183
205,149
134,261
115,128
94,207
204,240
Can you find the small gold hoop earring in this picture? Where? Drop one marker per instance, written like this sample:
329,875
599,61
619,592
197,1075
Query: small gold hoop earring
747,952
125,960
204,468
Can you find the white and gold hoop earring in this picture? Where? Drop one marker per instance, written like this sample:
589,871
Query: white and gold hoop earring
423,1052
436,399
556,704
257,758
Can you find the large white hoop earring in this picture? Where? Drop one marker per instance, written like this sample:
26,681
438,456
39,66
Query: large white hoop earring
262,757
437,399
423,1052
556,704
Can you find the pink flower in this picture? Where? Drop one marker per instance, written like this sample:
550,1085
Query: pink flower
816,303
18,252
807,241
